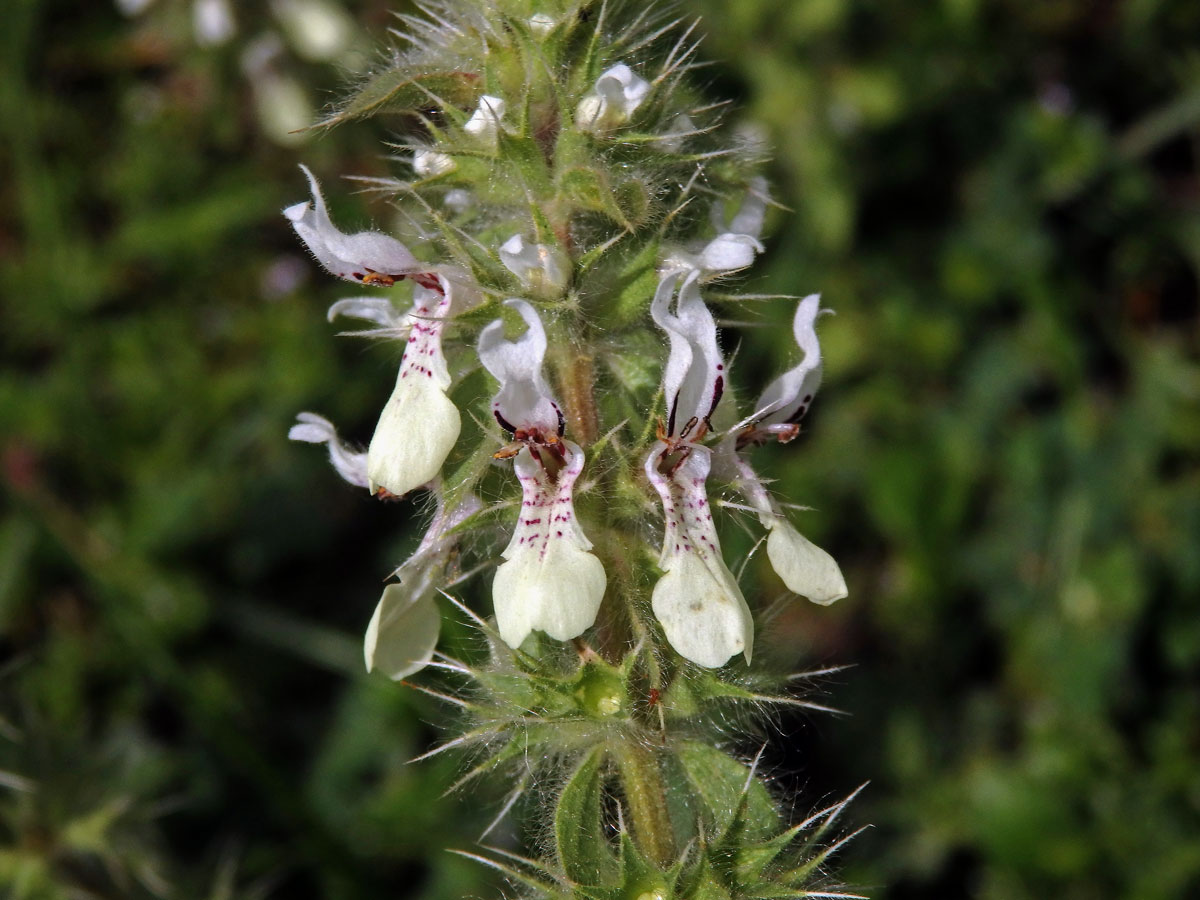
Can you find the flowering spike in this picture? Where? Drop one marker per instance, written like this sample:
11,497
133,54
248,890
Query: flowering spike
697,600
367,256
541,164
314,429
549,581
419,425
523,405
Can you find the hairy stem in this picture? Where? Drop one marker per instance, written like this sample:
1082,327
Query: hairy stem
645,799
577,380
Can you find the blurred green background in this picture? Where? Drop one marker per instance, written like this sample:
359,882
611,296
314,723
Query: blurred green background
1000,200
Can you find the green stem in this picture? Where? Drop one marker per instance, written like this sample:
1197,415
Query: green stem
637,764
645,799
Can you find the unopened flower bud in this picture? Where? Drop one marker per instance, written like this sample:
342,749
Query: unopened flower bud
485,123
431,163
618,92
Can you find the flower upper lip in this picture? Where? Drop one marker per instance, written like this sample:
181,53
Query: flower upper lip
370,257
524,406
694,376
786,399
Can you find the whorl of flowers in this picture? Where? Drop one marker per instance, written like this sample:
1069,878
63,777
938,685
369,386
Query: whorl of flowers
559,355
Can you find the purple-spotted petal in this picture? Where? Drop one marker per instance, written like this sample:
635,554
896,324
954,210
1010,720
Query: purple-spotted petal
549,581
697,600
420,424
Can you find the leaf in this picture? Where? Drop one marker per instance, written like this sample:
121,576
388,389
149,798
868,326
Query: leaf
634,285
687,697
633,200
705,883
589,189
402,90
723,785
579,826
751,861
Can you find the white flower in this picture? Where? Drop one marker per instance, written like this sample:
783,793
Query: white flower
314,429
737,243
280,101
786,399
694,376
319,30
805,568
419,425
404,628
549,581
618,92
523,407
727,252
133,7
543,268
697,600
432,163
485,122
368,256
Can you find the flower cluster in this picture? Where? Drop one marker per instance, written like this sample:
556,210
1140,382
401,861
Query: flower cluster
549,580
564,409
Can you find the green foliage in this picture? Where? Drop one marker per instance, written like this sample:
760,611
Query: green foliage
580,842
